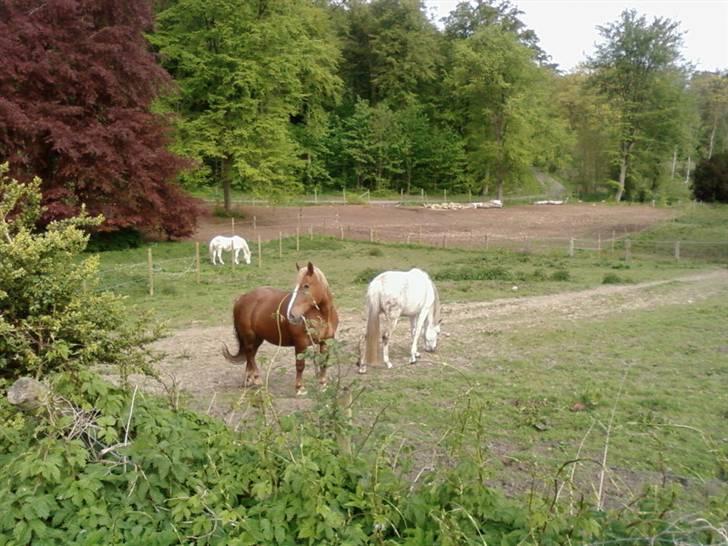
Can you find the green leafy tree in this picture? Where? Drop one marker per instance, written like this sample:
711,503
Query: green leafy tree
712,96
469,17
245,70
391,51
638,69
372,142
591,123
51,315
496,84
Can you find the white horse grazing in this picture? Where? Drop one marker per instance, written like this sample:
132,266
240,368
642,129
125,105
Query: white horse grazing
234,244
396,293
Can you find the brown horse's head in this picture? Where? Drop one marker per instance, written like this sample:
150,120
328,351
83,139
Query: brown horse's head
310,292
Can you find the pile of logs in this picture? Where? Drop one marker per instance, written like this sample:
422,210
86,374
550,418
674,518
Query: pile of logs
493,204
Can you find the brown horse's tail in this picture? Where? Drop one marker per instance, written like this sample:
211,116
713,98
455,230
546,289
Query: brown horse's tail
373,335
239,357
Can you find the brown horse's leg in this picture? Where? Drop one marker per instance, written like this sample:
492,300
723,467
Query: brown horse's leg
252,376
324,362
300,365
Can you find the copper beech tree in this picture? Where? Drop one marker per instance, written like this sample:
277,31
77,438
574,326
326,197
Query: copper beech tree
76,85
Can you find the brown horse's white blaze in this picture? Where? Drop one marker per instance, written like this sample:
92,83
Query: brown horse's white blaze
398,293
297,319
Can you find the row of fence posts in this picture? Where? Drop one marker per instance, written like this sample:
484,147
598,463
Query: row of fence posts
372,238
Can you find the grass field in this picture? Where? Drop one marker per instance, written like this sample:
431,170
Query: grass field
634,378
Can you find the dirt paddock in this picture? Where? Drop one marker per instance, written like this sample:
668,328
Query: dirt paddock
392,222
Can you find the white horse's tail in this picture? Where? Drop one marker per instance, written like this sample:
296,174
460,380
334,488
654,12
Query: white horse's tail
373,335
435,306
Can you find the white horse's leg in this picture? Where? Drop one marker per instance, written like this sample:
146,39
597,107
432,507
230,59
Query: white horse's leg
392,318
415,338
236,251
413,332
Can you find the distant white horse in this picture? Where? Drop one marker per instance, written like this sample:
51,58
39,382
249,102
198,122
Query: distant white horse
234,244
398,293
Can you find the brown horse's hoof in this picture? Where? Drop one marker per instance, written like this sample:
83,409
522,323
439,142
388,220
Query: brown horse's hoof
301,392
253,382
362,369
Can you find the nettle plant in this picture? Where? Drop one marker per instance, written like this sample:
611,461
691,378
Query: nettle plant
52,317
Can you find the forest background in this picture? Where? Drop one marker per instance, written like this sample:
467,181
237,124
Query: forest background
112,104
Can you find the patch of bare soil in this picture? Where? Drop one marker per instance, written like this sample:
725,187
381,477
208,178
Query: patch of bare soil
469,226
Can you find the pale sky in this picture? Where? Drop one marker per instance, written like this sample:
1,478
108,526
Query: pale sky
567,28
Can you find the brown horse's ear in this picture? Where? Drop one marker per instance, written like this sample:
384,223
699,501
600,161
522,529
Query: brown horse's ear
310,268
298,267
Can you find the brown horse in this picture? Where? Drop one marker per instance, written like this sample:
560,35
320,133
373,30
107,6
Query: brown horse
298,319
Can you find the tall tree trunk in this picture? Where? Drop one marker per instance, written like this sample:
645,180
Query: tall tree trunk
486,183
500,189
225,169
712,137
626,149
674,163
687,172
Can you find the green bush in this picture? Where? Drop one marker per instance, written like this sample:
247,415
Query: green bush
115,240
710,179
366,275
51,315
561,275
613,278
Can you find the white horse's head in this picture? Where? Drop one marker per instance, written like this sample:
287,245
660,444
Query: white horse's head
431,332
246,255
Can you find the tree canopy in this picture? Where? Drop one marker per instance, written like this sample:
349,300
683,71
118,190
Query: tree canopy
276,97
76,85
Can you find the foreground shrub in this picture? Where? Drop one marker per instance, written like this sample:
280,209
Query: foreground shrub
51,315
102,465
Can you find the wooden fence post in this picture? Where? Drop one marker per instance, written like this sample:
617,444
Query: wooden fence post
371,235
310,232
599,244
255,224
280,244
444,240
232,226
260,253
487,243
197,262
571,247
614,236
151,271
677,250
298,239
341,232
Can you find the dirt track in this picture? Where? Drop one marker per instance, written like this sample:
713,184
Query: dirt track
195,362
